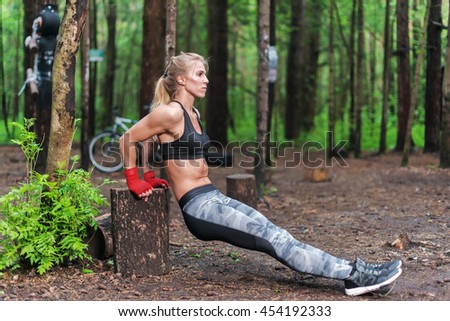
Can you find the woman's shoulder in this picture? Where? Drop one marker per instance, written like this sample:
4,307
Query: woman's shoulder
168,113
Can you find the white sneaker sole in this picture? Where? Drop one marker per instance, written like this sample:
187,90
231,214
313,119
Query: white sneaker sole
367,289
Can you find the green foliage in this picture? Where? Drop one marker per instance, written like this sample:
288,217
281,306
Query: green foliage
46,219
200,255
28,144
234,256
192,35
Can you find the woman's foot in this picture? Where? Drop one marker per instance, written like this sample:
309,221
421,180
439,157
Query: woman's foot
368,277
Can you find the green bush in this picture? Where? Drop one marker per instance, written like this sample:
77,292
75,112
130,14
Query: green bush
46,220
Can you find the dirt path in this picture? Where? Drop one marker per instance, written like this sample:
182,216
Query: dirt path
360,212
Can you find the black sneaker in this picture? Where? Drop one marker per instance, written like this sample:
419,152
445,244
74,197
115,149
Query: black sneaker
364,280
378,267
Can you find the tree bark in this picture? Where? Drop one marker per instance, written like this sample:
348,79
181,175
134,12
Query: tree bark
295,69
415,93
331,83
444,157
242,187
100,240
152,64
433,90
2,76
170,45
217,102
31,8
63,89
140,230
403,72
92,68
262,91
84,144
171,29
386,77
271,89
351,57
359,80
44,36
110,66
312,54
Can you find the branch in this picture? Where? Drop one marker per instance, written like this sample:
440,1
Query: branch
439,24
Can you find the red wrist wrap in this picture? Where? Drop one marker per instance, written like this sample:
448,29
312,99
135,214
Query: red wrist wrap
153,181
135,184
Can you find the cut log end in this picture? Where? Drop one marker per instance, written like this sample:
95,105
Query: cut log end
242,187
316,175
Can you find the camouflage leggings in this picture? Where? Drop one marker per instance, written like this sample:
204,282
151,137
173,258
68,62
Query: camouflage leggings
210,215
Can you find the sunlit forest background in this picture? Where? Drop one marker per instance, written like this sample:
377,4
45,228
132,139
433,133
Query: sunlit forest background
310,20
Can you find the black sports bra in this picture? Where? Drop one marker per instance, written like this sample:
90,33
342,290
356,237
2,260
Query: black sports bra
191,145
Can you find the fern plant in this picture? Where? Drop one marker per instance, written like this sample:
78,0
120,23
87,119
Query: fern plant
46,221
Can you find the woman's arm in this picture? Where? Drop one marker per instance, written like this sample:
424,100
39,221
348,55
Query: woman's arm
158,122
161,120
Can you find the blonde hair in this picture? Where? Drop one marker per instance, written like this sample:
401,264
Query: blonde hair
167,86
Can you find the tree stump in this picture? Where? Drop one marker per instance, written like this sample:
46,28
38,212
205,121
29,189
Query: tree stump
140,230
242,187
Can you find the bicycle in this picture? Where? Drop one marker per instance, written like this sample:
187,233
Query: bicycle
104,151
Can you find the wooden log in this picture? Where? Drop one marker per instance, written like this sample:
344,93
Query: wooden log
317,175
140,230
100,242
242,187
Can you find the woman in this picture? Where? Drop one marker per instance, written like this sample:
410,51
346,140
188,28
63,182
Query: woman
209,214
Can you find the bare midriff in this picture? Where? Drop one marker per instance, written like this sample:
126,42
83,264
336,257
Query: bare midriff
186,174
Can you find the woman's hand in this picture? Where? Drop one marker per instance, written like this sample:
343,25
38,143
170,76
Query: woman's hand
150,178
135,184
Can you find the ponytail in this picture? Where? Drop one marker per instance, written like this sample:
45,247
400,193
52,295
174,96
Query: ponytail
166,87
161,95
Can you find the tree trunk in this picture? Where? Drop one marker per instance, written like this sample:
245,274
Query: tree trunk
63,90
415,93
331,83
31,8
445,134
152,64
46,31
403,72
92,68
84,144
351,57
371,99
433,90
2,76
217,102
171,29
271,89
415,33
386,77
171,45
359,80
342,73
108,85
262,91
312,55
295,66
17,76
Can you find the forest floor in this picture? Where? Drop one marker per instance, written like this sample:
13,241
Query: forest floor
361,211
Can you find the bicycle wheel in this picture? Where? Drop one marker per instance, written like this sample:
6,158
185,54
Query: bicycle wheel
104,152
